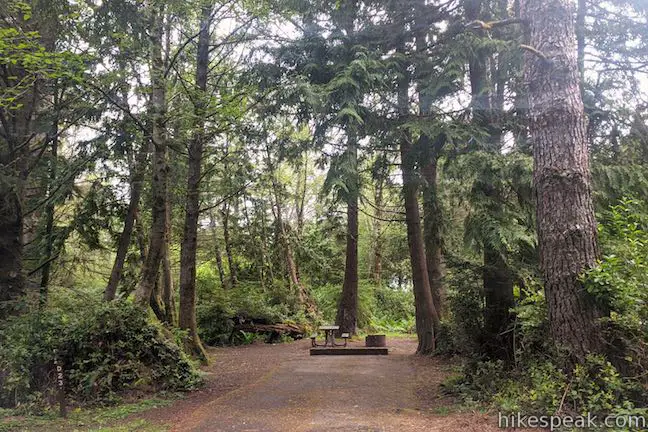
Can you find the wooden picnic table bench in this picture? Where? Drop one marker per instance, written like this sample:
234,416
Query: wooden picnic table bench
329,340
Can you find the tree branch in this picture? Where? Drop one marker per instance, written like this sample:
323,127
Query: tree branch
535,52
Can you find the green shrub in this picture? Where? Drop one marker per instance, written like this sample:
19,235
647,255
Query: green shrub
543,388
218,307
105,349
462,321
620,283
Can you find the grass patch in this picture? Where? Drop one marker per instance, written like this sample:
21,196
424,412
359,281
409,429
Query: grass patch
86,419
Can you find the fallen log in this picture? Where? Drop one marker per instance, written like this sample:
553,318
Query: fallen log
273,332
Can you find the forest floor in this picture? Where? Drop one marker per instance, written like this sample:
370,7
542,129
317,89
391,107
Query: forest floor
281,388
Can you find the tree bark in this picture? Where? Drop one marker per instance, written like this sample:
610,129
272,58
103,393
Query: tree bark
376,267
264,236
252,233
432,217
12,281
565,213
498,294
156,300
432,221
190,239
15,146
137,184
50,208
426,316
496,275
19,136
347,313
232,281
580,40
217,251
168,290
160,167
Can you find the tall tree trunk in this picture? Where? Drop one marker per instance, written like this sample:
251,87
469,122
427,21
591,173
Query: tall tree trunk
18,136
137,184
300,196
190,238
217,250
580,40
376,265
156,300
432,222
50,208
347,313
496,276
499,299
432,217
521,101
160,167
168,290
300,199
264,236
252,233
15,145
426,316
228,246
565,213
12,281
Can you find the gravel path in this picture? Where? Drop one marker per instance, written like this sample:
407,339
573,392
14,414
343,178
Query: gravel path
268,388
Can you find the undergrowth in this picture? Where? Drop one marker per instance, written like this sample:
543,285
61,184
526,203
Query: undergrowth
106,350
542,381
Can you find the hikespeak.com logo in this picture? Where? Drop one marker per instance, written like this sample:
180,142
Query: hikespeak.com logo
588,421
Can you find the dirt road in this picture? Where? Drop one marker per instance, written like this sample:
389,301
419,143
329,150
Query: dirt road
268,388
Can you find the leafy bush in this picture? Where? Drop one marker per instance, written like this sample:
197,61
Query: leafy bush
543,388
462,320
218,307
620,282
105,348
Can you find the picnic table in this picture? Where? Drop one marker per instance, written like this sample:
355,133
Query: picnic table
329,339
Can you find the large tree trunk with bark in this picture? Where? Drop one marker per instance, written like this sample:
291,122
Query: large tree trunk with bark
217,250
496,275
160,167
432,221
426,317
137,184
190,239
347,313
499,299
580,40
12,281
432,217
13,155
50,208
376,265
565,213
15,144
168,291
20,138
225,213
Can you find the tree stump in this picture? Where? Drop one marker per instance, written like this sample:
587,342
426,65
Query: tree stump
376,341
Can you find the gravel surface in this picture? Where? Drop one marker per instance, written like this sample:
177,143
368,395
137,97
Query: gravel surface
282,388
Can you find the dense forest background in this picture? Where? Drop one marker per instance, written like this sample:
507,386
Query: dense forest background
472,171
